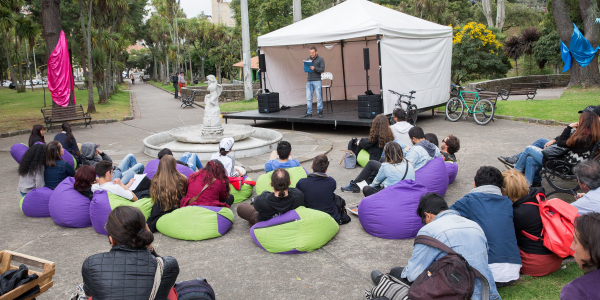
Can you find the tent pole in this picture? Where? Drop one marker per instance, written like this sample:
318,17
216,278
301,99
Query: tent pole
380,78
344,70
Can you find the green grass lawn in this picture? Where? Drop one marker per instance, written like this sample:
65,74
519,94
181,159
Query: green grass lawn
22,110
169,87
243,105
546,287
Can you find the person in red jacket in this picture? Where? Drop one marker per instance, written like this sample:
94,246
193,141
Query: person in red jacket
209,187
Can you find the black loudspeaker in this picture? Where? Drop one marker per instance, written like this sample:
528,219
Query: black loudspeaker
262,65
369,106
268,103
367,59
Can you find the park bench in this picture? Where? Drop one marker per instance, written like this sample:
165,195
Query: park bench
188,101
528,89
11,260
65,114
492,96
544,84
81,87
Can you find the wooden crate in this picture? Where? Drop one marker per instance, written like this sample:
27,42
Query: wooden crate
10,260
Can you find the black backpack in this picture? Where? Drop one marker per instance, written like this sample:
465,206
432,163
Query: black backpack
450,277
174,79
197,289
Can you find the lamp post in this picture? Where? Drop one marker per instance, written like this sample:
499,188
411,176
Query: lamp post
248,93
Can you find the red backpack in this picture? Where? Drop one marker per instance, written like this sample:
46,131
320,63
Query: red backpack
558,218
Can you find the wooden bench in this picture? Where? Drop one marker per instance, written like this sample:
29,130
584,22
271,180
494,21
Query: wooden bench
65,114
492,96
81,87
544,84
528,89
188,101
11,260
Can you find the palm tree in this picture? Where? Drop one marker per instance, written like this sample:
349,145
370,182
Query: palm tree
85,11
528,37
27,30
514,50
7,21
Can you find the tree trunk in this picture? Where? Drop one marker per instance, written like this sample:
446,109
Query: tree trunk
87,37
190,58
10,68
154,71
487,11
202,74
500,14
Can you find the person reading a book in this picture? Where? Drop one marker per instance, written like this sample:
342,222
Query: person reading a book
314,83
104,170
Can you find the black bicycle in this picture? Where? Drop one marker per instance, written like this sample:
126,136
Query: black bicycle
411,109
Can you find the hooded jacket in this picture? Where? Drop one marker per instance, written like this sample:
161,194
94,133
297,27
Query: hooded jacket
400,131
421,153
268,205
87,155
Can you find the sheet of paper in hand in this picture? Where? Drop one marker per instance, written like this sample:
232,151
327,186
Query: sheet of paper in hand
307,65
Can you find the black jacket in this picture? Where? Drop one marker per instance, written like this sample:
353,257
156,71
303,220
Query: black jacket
319,193
268,205
373,148
582,146
527,217
126,273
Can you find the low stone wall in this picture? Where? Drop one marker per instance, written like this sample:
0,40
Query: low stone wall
226,96
558,80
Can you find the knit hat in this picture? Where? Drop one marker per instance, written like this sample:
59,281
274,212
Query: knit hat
226,143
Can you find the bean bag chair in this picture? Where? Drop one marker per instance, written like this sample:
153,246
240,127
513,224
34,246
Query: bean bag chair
196,223
452,169
17,151
35,203
391,213
363,158
69,208
68,157
243,193
152,166
264,181
297,231
434,176
104,202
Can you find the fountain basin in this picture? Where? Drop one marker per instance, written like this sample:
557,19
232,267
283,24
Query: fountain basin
193,134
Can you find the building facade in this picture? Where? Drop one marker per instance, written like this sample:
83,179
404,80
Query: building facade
222,12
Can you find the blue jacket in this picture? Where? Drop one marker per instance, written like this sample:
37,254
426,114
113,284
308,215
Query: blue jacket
494,213
55,175
463,236
274,164
418,155
389,174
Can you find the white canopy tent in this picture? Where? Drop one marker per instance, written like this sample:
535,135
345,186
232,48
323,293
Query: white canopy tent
410,53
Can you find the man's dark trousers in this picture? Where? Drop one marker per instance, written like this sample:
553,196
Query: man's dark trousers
176,89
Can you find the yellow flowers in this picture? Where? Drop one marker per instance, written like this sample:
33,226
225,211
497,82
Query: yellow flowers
478,31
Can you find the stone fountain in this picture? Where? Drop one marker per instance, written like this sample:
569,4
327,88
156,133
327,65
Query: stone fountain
203,139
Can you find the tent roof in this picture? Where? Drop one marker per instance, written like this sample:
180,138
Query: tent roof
353,19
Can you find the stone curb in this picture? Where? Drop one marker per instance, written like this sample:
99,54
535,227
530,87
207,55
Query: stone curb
307,157
524,119
130,117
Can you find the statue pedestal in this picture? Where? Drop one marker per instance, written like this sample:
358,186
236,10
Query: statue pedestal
212,125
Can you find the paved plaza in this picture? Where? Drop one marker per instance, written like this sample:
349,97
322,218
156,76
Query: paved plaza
235,266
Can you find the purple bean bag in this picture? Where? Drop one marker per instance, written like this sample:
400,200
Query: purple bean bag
452,169
69,208
434,176
152,166
35,203
68,157
392,212
104,202
17,151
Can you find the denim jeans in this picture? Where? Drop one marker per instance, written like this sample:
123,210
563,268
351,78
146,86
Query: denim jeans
316,87
192,160
128,168
530,162
22,194
540,144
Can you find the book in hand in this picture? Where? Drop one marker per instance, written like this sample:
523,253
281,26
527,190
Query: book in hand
307,65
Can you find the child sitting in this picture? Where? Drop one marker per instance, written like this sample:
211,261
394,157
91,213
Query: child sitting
284,152
228,162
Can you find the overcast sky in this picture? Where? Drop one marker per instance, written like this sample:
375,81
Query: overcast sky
193,8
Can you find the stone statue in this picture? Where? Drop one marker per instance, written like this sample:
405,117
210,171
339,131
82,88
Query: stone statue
212,112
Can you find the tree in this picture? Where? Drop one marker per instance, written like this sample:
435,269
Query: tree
547,51
527,38
514,50
26,31
85,19
7,21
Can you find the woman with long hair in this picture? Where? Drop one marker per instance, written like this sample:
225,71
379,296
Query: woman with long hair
37,135
579,146
127,271
56,168
67,140
380,135
31,169
84,179
209,187
395,169
167,189
536,259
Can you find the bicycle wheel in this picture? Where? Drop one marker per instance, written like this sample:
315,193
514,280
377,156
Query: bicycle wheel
483,111
411,115
454,109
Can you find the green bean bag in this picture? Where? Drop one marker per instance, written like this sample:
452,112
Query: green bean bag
244,193
297,231
196,223
104,202
264,181
363,158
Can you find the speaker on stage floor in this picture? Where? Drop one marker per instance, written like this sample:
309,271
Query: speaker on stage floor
268,103
262,64
369,106
366,58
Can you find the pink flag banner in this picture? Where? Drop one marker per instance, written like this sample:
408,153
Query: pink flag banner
60,75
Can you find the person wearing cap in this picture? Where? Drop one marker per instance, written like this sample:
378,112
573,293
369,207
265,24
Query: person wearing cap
228,162
91,155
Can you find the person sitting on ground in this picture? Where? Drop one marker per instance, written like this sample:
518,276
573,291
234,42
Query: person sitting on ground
380,175
536,259
127,271
281,158
167,189
486,205
67,140
432,138
586,244
270,204
401,127
104,170
422,150
464,236
31,169
37,135
588,176
379,136
56,169
91,155
319,189
84,179
228,162
208,187
450,145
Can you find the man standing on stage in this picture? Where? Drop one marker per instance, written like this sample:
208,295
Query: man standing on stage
314,83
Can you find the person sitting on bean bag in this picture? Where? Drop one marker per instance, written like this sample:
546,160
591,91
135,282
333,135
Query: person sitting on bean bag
167,151
432,138
270,204
208,187
31,169
422,150
68,141
84,179
56,169
37,135
90,155
450,145
228,162
166,190
281,158
104,170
